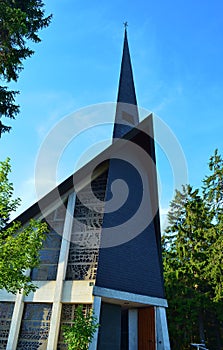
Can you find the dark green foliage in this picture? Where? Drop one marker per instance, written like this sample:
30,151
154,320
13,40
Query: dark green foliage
193,262
79,335
19,246
20,21
8,108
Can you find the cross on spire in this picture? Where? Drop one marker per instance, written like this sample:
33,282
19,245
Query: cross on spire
125,25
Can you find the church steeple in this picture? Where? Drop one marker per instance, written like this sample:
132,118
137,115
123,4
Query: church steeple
126,112
126,91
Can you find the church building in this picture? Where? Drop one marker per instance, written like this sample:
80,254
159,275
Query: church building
103,249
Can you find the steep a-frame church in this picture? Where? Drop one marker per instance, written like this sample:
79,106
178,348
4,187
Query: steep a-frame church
99,253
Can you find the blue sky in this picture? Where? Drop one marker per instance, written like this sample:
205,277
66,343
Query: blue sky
177,54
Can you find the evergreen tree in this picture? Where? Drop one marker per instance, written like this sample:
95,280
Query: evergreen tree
193,261
20,21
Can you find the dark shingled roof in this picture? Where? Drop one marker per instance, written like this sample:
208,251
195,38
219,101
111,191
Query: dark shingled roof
126,91
126,111
134,266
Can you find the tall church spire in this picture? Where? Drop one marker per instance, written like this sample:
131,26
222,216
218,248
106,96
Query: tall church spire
126,112
126,91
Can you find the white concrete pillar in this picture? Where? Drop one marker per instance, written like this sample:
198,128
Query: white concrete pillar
61,273
133,329
16,319
162,336
96,313
15,322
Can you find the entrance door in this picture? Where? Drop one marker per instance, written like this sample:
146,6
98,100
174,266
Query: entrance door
146,329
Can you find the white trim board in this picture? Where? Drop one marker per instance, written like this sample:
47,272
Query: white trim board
128,297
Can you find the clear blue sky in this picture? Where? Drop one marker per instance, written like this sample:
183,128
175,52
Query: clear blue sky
177,54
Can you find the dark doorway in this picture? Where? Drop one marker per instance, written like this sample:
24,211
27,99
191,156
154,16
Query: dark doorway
124,329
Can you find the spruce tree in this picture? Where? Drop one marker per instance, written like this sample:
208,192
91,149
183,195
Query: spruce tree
193,261
20,21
